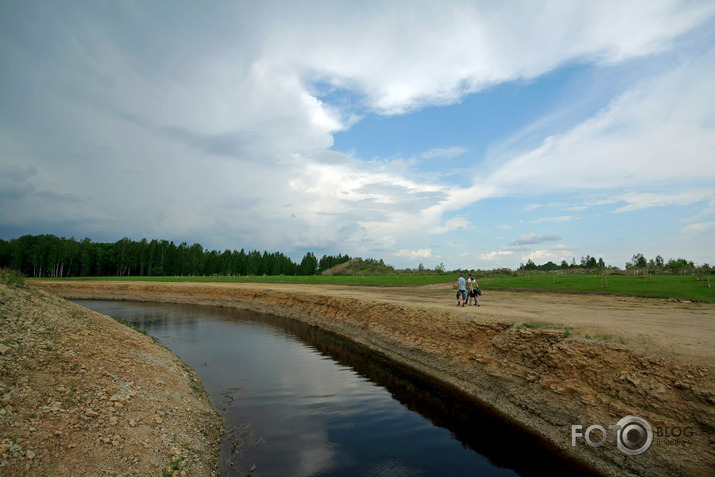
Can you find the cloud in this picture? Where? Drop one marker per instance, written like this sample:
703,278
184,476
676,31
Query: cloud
455,223
435,54
562,218
661,131
138,120
698,228
555,252
543,256
707,211
414,254
495,255
444,153
641,201
533,239
16,181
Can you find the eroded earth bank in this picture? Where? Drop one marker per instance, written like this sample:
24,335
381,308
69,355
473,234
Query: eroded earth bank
84,395
544,361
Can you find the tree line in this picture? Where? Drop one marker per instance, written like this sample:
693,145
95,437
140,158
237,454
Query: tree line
638,264
52,256
658,264
587,262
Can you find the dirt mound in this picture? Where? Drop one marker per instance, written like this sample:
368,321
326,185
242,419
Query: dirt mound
81,394
340,269
358,266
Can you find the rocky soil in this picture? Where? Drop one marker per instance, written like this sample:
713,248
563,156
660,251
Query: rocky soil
82,394
546,362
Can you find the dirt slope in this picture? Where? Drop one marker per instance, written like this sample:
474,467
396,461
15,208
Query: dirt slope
81,394
650,358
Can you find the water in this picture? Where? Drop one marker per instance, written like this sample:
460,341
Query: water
299,401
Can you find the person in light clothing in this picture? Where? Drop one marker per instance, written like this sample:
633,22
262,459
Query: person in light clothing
476,291
462,289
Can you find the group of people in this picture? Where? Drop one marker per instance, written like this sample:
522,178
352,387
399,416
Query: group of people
469,290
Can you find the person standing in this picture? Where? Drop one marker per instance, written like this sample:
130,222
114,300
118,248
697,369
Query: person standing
470,289
477,291
462,289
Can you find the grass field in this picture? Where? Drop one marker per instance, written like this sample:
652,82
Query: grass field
655,286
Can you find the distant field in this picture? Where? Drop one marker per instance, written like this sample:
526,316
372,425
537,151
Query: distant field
656,286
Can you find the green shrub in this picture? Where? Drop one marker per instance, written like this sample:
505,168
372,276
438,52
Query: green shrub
11,278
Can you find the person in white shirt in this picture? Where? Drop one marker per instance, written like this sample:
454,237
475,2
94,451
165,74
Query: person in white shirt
462,290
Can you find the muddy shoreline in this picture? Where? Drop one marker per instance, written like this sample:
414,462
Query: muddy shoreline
545,379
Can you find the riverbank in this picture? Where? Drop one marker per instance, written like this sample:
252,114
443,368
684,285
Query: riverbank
82,394
546,362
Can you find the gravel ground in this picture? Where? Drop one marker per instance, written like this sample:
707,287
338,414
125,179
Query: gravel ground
82,394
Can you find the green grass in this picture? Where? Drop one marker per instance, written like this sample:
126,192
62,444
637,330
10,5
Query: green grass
173,468
656,286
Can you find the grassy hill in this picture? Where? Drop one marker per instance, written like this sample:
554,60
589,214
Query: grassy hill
358,266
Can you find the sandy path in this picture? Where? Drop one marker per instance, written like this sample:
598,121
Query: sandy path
644,324
686,329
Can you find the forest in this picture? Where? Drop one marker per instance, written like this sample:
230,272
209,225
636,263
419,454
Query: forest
52,256
638,263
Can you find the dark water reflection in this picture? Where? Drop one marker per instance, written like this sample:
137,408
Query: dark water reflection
299,401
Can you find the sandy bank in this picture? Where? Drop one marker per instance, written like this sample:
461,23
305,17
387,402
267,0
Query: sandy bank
81,394
545,377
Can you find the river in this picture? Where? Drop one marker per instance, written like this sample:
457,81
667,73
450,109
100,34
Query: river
298,401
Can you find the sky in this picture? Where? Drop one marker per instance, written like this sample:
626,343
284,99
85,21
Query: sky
472,134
